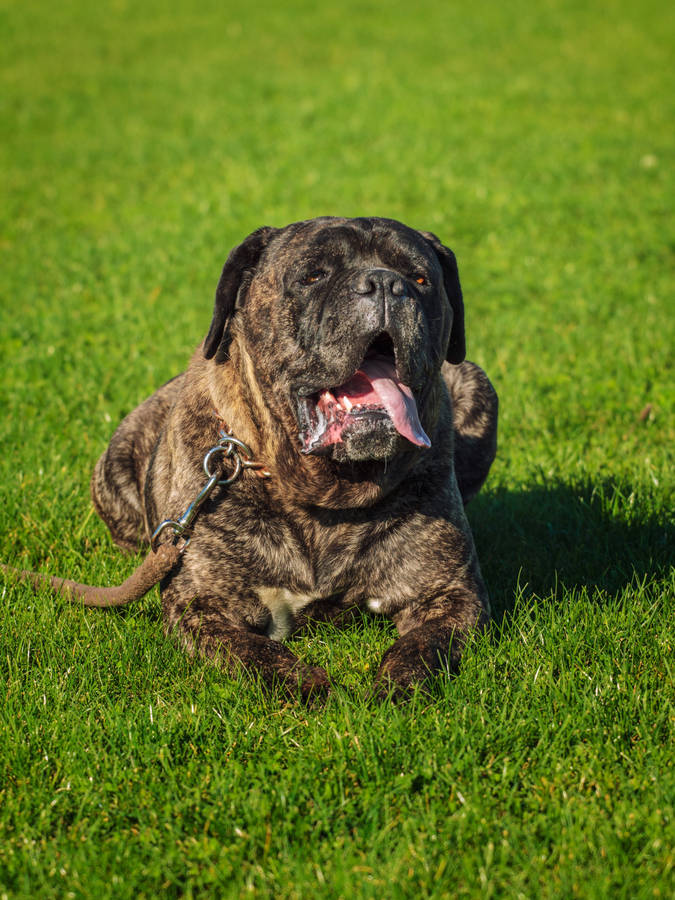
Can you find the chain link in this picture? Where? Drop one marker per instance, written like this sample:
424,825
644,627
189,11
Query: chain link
231,448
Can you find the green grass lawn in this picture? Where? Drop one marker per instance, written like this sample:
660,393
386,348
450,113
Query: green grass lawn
139,142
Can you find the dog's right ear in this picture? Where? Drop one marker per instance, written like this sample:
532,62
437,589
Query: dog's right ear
234,280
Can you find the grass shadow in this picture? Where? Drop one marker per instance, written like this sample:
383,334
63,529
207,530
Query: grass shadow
599,536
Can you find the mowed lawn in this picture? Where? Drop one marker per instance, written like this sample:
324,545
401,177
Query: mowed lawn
139,143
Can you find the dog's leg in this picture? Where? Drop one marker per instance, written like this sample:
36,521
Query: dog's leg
474,414
432,638
205,627
439,604
119,475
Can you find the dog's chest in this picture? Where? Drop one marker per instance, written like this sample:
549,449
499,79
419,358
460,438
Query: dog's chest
339,565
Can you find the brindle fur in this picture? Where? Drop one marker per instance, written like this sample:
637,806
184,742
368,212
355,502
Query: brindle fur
320,537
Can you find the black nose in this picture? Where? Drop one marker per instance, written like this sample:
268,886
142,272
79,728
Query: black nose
374,282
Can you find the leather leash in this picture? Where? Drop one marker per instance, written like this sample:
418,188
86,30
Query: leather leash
154,567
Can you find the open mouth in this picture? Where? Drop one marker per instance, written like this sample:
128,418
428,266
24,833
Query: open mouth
373,396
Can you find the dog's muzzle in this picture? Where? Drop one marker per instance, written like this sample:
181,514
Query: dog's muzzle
373,399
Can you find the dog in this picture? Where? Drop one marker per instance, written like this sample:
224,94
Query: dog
336,355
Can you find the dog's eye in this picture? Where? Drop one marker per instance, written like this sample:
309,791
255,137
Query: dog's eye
314,276
421,279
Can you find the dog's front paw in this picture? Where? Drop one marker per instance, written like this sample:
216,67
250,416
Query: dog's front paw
310,682
414,658
397,676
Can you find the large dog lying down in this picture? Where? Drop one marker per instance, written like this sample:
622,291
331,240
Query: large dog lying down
336,354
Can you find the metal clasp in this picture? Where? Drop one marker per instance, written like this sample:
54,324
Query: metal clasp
231,448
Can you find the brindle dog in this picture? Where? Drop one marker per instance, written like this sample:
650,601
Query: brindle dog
336,353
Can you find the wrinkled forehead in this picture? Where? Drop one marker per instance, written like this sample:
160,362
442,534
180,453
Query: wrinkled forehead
377,242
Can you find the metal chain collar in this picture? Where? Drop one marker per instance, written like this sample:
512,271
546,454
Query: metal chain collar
231,448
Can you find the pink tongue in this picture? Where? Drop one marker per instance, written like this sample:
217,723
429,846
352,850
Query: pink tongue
376,384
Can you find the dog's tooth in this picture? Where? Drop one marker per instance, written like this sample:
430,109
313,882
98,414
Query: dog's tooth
327,397
347,403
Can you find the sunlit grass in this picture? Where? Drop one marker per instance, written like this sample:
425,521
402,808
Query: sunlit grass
138,144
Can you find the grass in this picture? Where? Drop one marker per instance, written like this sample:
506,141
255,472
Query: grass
138,143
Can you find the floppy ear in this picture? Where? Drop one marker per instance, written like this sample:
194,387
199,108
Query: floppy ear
241,261
457,346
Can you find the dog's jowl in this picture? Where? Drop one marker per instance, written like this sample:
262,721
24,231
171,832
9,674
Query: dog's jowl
336,354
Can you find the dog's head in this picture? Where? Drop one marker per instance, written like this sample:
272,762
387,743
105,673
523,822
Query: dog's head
347,322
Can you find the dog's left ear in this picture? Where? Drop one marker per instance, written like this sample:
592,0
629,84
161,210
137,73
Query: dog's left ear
234,280
457,345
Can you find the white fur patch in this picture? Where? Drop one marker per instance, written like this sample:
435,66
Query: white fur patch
283,605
